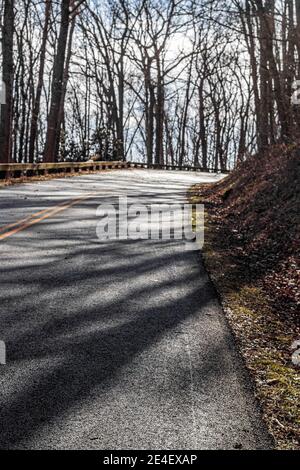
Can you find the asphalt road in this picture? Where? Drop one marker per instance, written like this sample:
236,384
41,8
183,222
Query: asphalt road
116,344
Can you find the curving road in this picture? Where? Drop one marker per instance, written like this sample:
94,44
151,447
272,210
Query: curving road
115,345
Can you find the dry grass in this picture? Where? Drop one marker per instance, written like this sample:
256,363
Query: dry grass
264,341
251,256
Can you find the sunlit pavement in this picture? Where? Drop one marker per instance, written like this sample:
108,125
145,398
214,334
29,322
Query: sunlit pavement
115,345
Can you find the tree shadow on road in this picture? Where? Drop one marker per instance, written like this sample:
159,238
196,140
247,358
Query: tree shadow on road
64,353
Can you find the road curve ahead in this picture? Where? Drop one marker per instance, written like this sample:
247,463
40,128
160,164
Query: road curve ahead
115,345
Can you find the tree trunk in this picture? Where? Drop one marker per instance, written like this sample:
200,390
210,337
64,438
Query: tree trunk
159,151
8,73
37,100
65,84
53,128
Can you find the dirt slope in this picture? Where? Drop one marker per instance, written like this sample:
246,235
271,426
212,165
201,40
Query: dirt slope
252,254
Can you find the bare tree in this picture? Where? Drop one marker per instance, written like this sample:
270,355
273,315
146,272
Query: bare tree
8,76
57,84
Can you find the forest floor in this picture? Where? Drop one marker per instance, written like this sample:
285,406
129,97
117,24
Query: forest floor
252,254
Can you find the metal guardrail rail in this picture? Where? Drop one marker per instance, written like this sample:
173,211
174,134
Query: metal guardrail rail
156,166
16,170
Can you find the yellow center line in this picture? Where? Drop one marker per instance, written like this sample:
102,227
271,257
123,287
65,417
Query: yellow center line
4,228
42,215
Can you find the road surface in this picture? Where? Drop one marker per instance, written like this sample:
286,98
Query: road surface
115,345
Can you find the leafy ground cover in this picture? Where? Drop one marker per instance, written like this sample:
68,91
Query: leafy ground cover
252,254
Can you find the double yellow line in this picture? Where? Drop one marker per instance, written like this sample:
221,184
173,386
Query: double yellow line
11,229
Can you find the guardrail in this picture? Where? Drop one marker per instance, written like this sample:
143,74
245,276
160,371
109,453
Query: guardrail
156,166
17,170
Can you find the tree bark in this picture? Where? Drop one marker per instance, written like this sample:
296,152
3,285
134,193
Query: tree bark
53,128
8,74
37,99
